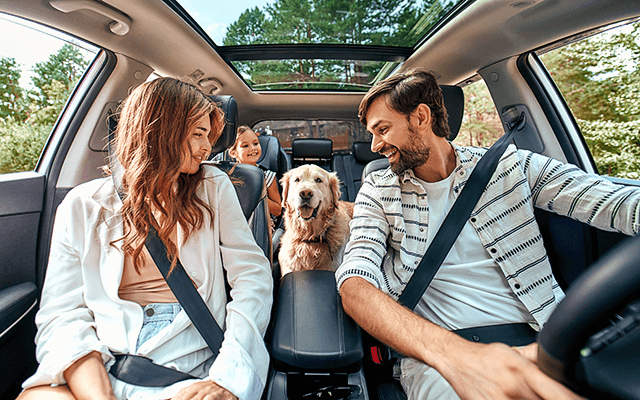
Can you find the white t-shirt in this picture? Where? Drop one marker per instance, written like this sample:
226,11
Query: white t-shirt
469,289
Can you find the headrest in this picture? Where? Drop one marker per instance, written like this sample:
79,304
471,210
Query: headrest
454,103
273,156
375,165
311,148
269,157
362,152
229,107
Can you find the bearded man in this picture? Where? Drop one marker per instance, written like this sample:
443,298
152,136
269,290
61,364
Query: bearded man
497,272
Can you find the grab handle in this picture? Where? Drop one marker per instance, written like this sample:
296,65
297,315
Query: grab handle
120,24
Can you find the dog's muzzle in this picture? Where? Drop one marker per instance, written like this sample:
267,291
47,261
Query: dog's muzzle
306,212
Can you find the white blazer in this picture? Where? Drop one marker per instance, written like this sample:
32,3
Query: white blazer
80,310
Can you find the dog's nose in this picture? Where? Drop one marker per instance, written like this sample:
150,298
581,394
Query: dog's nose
306,194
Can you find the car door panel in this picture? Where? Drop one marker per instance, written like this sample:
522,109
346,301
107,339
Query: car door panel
21,196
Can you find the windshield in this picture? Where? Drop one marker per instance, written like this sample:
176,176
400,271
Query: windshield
345,45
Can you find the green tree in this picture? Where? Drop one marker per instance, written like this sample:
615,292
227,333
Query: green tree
57,94
359,22
599,78
615,146
66,67
595,80
20,145
248,29
481,125
11,94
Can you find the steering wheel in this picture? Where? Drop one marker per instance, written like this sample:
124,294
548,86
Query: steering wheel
605,288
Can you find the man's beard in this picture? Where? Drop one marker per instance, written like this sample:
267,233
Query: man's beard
414,155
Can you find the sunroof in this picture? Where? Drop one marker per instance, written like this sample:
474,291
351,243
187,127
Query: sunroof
323,74
344,45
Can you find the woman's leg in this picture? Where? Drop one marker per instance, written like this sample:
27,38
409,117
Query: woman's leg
47,393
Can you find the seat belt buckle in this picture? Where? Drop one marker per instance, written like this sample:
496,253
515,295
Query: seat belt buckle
381,355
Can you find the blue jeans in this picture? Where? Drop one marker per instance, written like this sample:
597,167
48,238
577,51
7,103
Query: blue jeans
156,317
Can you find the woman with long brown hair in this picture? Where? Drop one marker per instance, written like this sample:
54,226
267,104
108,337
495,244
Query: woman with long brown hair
103,294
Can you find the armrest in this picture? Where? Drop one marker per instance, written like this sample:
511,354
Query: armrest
311,329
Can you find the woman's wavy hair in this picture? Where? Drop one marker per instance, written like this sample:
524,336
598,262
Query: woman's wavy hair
405,92
154,123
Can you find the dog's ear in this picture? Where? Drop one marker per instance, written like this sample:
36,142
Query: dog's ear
334,184
284,182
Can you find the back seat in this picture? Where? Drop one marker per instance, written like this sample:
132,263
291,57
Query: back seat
273,156
317,151
349,168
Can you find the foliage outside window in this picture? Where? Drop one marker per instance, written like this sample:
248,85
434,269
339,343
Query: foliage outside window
29,111
481,125
398,23
599,78
341,133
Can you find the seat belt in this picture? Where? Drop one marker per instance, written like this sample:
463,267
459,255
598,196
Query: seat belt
186,292
142,371
455,220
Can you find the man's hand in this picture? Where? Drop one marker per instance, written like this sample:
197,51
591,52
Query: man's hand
205,390
475,371
497,371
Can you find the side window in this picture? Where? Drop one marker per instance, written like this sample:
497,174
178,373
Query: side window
342,133
481,125
599,78
39,69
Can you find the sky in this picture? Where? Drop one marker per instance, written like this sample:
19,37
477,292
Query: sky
29,43
215,17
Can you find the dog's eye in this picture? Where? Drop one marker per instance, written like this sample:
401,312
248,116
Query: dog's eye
297,180
318,180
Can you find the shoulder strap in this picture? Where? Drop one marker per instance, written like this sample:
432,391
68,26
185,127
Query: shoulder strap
185,292
455,220
178,281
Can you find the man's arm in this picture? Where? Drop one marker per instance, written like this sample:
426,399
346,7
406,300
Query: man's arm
475,371
566,190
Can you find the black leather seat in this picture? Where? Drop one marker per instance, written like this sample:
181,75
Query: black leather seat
273,156
250,180
349,168
317,151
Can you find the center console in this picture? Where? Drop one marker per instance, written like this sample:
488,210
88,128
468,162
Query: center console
316,349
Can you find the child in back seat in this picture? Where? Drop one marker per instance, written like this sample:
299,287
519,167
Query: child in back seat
247,150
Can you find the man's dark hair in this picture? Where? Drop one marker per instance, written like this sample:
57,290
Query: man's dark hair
404,92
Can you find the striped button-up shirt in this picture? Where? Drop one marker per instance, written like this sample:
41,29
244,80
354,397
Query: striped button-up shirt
391,214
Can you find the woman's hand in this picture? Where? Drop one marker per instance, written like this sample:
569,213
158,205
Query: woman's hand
205,390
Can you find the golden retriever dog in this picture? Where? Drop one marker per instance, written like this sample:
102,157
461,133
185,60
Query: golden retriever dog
316,222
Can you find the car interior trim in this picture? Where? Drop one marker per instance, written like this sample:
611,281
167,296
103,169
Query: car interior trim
17,321
120,25
314,51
